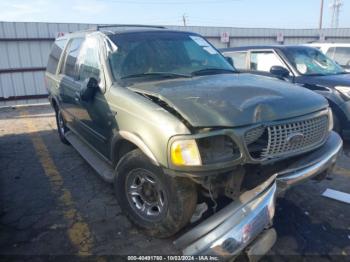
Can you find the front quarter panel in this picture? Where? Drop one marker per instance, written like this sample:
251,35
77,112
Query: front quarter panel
144,123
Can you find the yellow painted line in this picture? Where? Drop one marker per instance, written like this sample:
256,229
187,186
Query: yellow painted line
78,231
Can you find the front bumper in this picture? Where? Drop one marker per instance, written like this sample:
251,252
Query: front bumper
230,230
239,224
312,164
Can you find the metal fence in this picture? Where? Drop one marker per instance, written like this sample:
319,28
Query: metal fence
24,49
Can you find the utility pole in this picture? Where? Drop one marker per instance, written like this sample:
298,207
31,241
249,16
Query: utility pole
335,6
321,14
184,19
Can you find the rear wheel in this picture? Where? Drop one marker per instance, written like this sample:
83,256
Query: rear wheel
160,205
61,126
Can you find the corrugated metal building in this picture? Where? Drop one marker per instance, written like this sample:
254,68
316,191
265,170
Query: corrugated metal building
24,48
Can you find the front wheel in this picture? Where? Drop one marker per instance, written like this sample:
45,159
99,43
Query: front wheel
160,205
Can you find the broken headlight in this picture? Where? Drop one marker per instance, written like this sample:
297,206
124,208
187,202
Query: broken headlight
203,151
217,149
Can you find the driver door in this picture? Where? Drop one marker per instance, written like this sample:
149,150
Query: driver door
95,119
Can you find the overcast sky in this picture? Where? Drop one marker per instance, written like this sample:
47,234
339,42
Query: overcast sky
235,13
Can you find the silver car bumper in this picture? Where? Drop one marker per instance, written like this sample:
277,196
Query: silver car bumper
312,164
246,221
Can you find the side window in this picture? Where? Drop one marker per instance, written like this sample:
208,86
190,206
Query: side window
55,55
264,60
89,62
70,66
330,52
342,56
239,59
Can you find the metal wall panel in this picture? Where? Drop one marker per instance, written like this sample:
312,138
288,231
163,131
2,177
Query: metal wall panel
22,84
24,54
27,45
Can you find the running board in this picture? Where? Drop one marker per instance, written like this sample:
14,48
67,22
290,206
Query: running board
96,162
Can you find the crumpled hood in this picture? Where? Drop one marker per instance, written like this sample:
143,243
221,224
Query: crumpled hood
233,100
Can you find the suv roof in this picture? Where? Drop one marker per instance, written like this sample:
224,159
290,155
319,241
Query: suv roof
114,29
118,29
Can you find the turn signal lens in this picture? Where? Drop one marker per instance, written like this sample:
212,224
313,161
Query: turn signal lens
330,119
185,153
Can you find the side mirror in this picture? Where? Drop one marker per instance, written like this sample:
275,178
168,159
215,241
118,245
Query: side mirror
229,60
89,91
279,71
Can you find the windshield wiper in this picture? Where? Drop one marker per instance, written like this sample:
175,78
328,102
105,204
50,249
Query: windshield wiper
158,74
212,71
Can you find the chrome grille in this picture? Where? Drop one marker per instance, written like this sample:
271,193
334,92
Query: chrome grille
281,140
253,134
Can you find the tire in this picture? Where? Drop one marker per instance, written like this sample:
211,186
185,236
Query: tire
61,126
158,204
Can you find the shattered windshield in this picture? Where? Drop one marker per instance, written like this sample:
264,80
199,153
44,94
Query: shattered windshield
310,61
164,54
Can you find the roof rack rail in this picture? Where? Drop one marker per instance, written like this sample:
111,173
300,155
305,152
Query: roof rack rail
98,27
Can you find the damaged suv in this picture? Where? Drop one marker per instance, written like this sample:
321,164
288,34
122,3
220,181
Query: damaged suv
166,118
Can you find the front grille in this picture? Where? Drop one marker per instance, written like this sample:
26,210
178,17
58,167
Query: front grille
288,138
253,134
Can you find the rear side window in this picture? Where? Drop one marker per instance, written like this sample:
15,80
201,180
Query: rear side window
264,60
70,66
55,55
239,59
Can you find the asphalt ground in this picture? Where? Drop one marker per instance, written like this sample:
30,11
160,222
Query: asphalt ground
53,203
